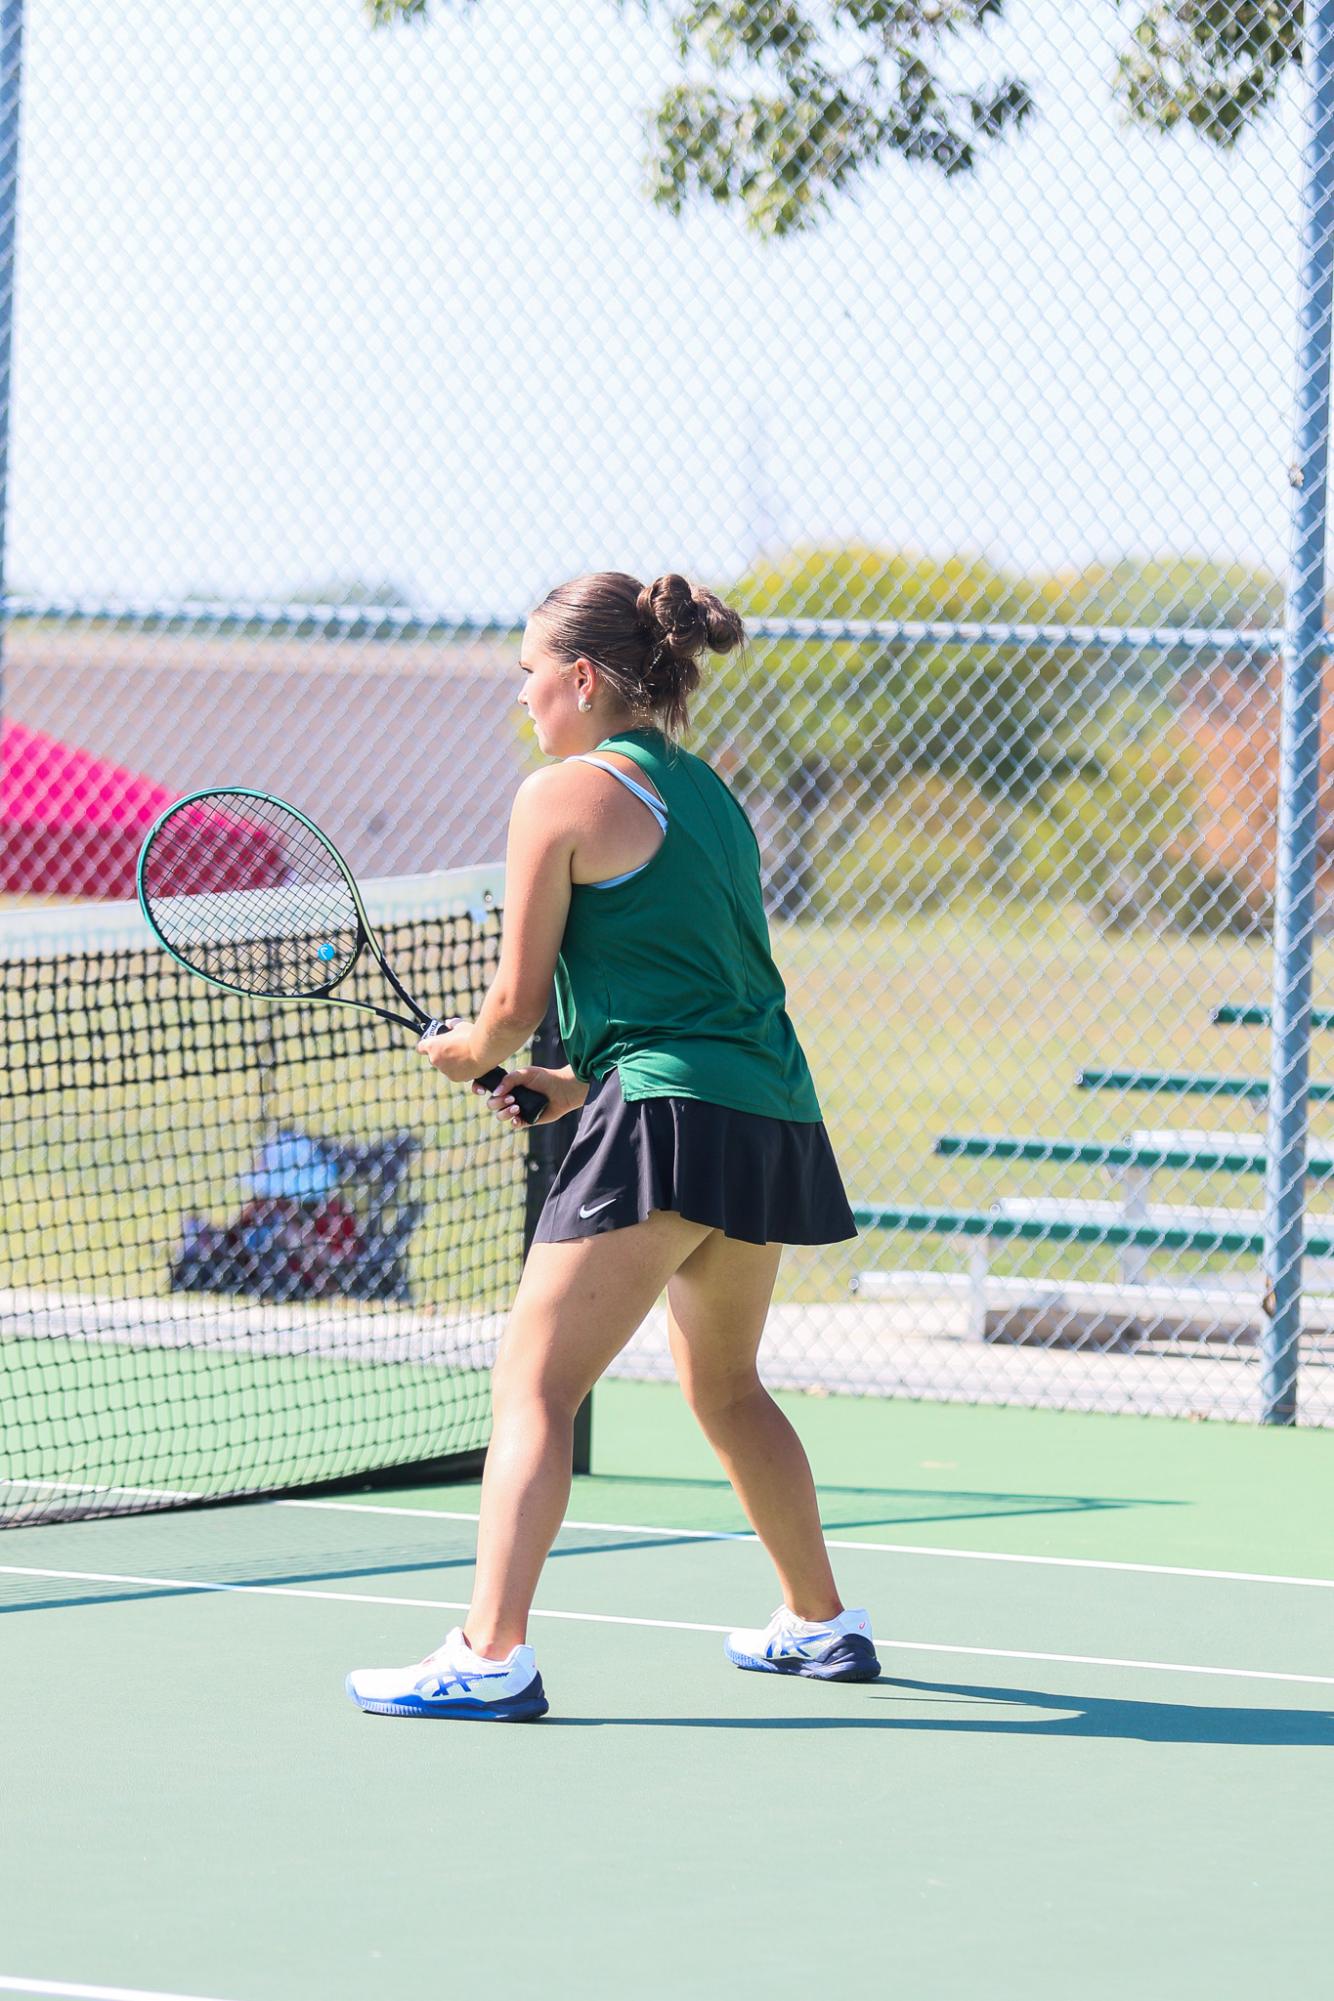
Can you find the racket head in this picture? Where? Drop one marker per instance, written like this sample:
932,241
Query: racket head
246,892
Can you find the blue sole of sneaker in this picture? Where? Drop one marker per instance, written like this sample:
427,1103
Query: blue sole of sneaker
525,1708
853,1660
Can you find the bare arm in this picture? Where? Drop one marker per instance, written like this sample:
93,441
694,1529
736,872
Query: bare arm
537,900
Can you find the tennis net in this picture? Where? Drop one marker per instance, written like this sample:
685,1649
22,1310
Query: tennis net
244,1247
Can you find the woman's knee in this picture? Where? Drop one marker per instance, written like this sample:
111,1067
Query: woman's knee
522,1382
721,1401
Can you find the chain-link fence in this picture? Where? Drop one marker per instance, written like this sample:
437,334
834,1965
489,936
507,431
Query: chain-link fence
955,343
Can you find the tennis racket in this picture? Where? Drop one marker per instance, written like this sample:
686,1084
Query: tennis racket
247,893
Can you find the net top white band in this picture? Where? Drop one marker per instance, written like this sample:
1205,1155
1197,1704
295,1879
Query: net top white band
30,933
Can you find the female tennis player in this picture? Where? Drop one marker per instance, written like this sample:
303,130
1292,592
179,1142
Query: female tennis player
633,881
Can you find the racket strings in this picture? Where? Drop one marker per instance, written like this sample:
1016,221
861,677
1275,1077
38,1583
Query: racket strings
244,892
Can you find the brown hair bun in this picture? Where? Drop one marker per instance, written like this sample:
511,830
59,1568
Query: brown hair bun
646,639
688,620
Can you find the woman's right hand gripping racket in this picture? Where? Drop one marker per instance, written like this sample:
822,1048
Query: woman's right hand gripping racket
247,893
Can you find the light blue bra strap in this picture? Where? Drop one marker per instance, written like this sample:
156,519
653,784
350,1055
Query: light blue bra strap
650,799
615,881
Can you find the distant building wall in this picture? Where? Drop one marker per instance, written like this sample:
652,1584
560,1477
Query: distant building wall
409,754
1232,719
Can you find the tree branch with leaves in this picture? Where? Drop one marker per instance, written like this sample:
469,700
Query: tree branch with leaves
781,105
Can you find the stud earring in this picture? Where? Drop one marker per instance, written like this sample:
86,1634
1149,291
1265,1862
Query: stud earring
584,705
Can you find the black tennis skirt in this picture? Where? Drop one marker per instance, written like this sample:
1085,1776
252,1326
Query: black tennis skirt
766,1181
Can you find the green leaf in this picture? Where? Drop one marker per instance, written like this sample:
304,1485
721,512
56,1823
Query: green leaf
781,105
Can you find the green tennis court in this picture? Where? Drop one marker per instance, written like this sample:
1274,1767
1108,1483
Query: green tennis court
1097,1764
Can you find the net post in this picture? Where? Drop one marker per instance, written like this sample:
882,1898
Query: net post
547,1148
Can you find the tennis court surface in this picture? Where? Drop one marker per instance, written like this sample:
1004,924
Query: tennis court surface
1098,1763
251,1252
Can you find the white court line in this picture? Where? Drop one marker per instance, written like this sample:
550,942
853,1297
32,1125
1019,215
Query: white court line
672,1625
77,1990
744,1535
831,1542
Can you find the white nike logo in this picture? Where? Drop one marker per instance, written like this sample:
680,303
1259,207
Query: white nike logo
592,1211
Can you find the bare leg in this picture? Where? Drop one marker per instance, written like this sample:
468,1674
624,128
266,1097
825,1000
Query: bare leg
717,1302
577,1306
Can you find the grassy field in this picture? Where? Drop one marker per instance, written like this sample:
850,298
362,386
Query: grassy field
98,1179
973,1021
978,1022
149,1103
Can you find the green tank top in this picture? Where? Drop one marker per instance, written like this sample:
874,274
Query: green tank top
668,978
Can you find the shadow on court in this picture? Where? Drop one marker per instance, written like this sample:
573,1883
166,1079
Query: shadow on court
886,1507
169,1542
190,1578
1087,1716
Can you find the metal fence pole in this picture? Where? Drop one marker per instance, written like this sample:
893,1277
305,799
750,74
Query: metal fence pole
11,85
1299,750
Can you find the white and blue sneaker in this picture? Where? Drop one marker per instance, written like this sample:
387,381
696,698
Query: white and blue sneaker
838,1649
454,1681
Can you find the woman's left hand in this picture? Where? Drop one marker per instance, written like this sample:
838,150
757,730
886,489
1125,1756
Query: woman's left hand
450,1052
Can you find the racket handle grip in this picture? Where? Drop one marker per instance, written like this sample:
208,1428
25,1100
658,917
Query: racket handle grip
531,1104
